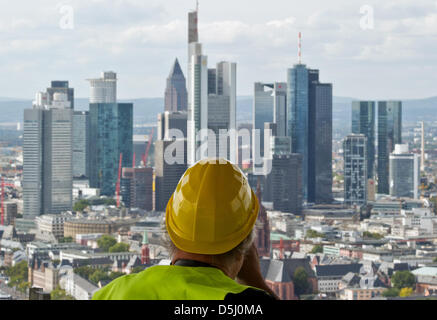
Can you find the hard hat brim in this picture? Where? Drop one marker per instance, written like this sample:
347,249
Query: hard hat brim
210,248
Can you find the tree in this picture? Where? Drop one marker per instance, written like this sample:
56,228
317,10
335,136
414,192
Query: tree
391,293
403,279
18,274
314,234
119,247
99,275
115,275
106,242
300,280
110,202
434,203
406,292
317,249
59,294
81,205
65,240
371,235
84,271
435,260
23,286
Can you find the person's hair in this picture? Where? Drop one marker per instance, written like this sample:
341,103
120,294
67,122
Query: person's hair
228,257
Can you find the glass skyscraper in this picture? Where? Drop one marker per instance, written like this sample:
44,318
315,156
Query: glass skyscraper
111,128
176,92
363,122
355,169
389,134
310,128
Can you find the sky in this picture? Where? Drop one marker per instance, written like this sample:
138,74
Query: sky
368,49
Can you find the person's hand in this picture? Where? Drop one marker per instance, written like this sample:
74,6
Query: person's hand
250,272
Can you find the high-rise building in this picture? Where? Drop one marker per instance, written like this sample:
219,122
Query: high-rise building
176,92
320,143
48,156
167,175
201,93
81,144
60,87
137,188
422,148
310,128
286,183
262,113
363,122
10,212
404,173
389,134
171,120
111,131
355,169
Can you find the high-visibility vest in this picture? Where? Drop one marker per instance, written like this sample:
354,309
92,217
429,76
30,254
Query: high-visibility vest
172,283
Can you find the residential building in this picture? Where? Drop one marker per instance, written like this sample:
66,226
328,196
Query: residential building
355,169
51,225
78,287
389,134
363,122
10,212
329,276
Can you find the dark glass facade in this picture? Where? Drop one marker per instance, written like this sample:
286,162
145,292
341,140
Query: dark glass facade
111,127
363,122
389,134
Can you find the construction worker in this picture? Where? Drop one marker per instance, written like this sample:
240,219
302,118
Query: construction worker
209,220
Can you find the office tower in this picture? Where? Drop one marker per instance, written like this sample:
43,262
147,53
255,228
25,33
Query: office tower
320,143
171,120
422,156
60,87
309,104
167,173
262,113
140,143
104,89
201,93
111,131
389,134
286,183
137,188
404,173
355,169
47,153
81,143
363,122
176,98
280,108
10,212
244,144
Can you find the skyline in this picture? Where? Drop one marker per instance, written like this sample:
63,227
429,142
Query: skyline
140,42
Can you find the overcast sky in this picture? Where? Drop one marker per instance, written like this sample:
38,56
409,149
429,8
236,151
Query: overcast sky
139,39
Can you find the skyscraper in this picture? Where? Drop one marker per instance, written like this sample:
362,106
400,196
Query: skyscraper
310,128
81,144
137,188
404,173
363,122
210,107
176,91
171,120
389,134
355,169
47,153
262,113
167,175
111,131
60,87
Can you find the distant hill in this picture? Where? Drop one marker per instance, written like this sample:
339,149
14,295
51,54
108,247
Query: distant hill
146,110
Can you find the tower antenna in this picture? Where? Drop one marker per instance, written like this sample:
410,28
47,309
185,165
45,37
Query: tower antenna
300,48
197,6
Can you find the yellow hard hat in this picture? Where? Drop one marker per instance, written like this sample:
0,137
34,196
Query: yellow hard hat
213,208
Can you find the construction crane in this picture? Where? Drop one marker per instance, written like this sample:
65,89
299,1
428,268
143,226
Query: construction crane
146,155
117,188
2,196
